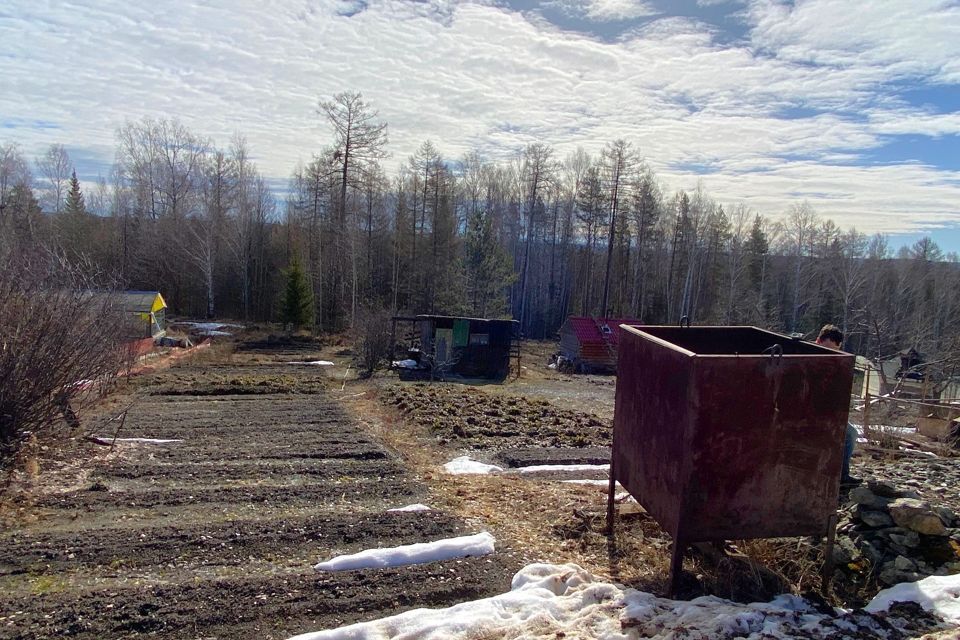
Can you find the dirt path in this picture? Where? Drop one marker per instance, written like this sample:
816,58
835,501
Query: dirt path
215,536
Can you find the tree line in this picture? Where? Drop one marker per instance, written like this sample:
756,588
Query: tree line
538,237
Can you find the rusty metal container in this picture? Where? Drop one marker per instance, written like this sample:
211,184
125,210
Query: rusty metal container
730,432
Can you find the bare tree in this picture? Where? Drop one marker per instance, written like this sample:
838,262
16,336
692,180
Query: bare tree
14,176
359,140
798,231
618,161
536,171
54,168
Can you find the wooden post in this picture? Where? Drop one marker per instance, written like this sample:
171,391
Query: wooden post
866,407
393,343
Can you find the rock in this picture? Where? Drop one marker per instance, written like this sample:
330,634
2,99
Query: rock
865,498
883,489
947,515
874,518
917,516
937,551
910,539
903,563
890,575
844,551
923,568
871,551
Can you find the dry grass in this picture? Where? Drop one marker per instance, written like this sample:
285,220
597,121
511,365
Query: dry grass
540,521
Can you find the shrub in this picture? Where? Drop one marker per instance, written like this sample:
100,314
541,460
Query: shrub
372,342
59,333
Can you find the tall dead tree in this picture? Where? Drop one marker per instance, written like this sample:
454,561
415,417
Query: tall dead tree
536,172
359,140
618,160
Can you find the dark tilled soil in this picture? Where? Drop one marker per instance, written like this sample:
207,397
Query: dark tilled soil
283,347
471,419
215,536
250,606
92,500
230,543
292,469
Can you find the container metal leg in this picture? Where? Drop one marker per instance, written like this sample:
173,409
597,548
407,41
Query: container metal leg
676,567
828,554
611,499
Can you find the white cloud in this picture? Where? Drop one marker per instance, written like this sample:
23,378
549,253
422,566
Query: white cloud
609,10
921,37
478,75
894,122
605,10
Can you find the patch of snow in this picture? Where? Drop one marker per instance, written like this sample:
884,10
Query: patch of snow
937,594
541,468
315,363
582,481
405,364
411,507
885,428
212,326
213,333
549,601
480,544
465,465
919,452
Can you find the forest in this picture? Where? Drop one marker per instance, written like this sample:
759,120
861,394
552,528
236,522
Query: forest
537,237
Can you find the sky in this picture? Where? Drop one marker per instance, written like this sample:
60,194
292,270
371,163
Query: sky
852,106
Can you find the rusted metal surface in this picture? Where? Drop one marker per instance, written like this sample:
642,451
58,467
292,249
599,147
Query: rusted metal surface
719,440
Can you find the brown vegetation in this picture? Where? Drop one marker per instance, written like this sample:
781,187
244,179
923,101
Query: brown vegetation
59,339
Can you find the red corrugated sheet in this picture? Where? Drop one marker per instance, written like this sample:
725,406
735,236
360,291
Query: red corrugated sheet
588,331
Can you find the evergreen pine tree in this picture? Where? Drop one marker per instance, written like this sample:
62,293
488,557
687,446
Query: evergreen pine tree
757,247
297,305
488,268
75,204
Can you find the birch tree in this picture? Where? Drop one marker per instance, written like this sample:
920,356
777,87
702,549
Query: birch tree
54,168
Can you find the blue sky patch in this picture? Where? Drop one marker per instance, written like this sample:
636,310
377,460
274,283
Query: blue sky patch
947,238
38,125
936,98
942,152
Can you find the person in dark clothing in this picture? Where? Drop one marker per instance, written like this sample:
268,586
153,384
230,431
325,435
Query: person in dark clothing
832,338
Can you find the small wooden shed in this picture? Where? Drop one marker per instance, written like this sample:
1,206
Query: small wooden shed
468,347
145,312
591,343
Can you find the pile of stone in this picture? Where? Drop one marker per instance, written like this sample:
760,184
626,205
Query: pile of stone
896,535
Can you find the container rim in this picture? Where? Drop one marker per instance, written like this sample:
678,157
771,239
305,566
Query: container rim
824,351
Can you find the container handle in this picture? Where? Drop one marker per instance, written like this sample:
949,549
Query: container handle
775,351
685,321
